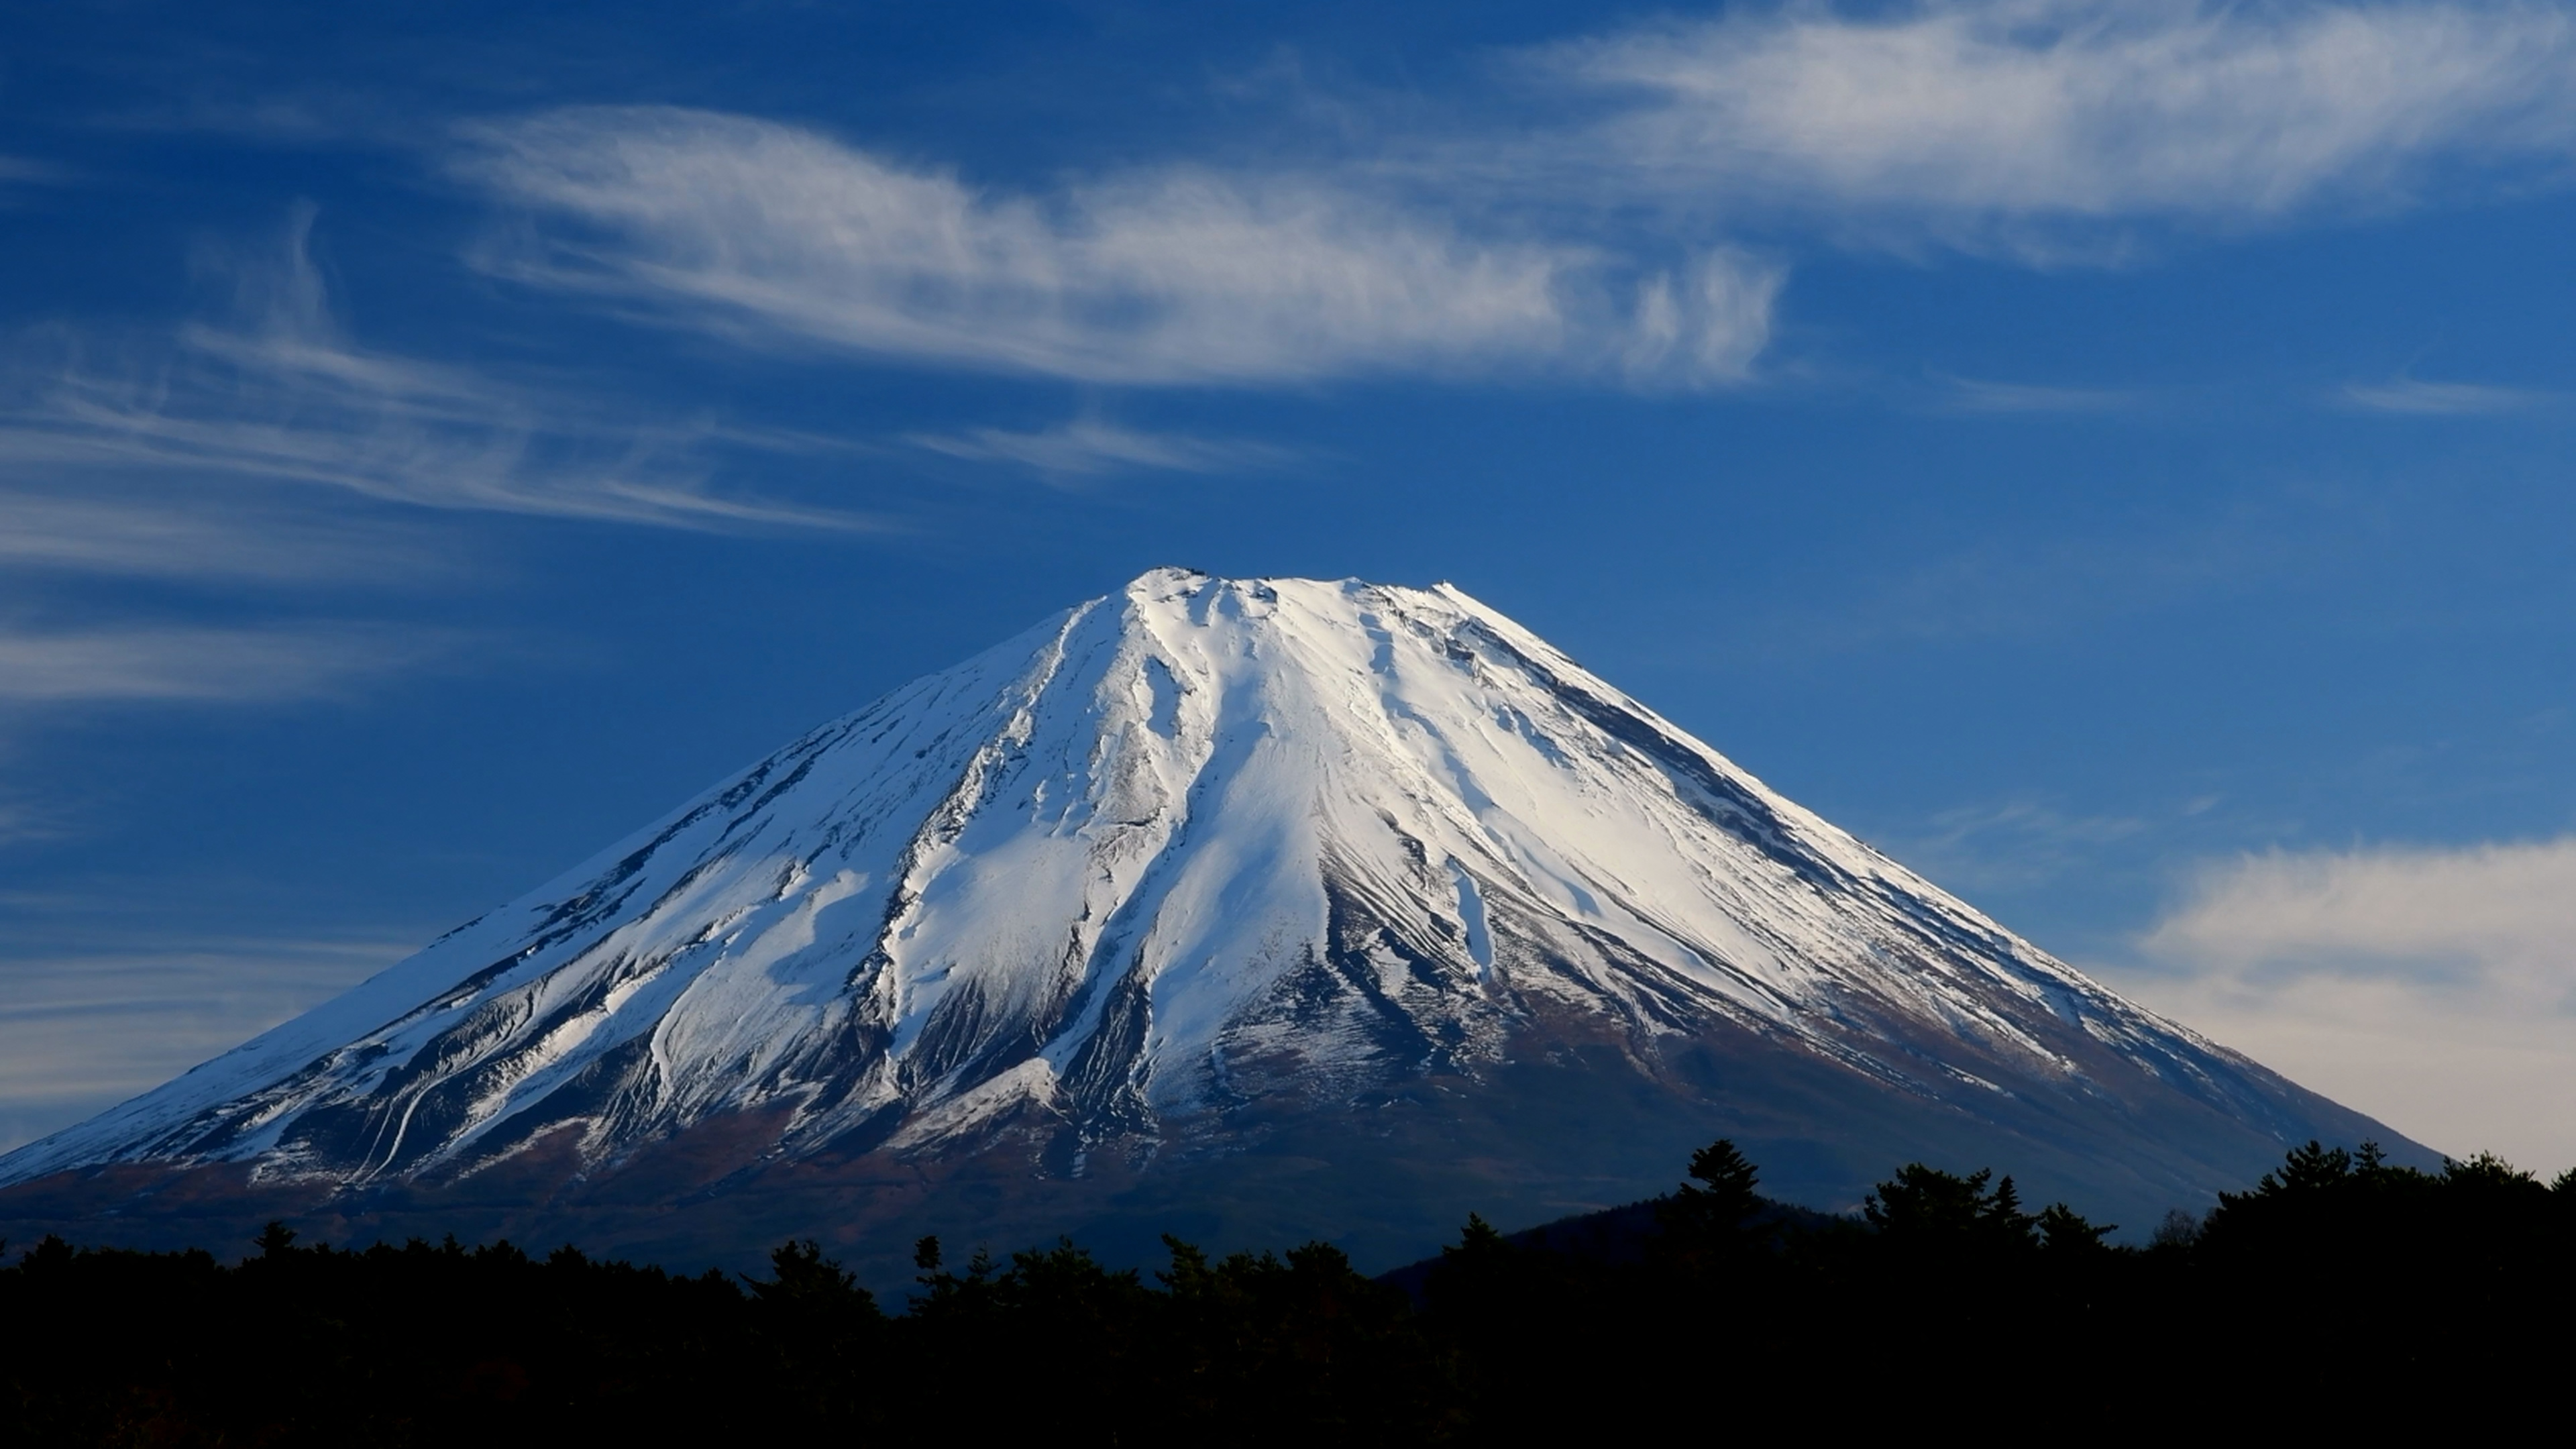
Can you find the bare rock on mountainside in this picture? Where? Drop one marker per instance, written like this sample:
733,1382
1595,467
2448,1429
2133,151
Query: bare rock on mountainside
1256,910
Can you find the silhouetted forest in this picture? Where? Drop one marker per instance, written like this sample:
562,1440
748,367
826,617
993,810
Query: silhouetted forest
2339,1291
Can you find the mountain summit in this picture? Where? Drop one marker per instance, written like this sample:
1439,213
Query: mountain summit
1242,907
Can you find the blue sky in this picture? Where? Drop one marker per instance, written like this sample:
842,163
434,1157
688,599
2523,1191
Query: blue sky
2111,457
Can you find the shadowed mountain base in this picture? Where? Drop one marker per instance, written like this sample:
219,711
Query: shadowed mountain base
1570,1128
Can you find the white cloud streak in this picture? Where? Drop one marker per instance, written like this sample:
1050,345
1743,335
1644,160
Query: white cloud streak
1086,447
2419,398
206,664
2012,844
286,397
2434,988
20,170
2041,128
133,537
1167,276
20,823
80,1032
1973,395
2053,110
223,455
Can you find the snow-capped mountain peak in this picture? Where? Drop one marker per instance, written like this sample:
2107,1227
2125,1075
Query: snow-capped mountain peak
1197,846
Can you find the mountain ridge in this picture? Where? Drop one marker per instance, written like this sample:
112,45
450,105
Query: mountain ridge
1171,879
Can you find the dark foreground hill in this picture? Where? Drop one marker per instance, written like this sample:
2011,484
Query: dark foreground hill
2340,1293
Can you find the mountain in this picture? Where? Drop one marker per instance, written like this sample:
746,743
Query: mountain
1254,909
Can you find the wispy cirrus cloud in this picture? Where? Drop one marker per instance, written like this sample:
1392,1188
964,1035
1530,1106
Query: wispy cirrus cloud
81,1030
1999,591
284,396
307,116
135,535
1168,275
178,662
1977,395
225,454
1582,231
25,170
1087,447
1978,118
2013,844
2421,398
19,821
2434,987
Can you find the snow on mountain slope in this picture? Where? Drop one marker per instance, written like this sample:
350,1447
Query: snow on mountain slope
1198,844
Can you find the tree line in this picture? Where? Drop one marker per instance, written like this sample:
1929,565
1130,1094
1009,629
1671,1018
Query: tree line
2337,1285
